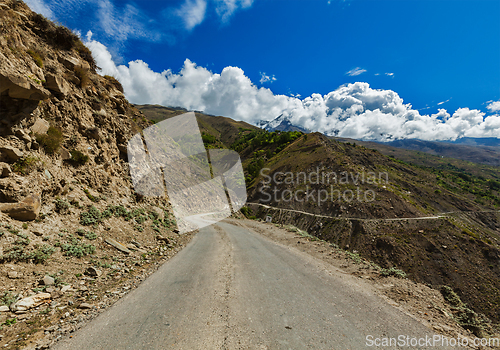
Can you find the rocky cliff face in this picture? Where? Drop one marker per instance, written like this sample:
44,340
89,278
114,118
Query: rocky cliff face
60,122
71,223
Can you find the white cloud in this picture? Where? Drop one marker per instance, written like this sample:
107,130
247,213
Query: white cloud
390,75
125,23
355,71
192,12
39,6
353,110
264,78
494,106
443,102
226,8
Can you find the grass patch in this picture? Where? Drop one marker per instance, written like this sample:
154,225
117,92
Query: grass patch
76,248
7,298
25,165
36,57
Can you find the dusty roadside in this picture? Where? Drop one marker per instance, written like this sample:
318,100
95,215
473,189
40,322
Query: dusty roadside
76,298
425,304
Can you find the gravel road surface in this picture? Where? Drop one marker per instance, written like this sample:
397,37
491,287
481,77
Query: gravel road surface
231,288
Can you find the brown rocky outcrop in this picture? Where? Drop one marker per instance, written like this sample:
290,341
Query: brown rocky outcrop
26,210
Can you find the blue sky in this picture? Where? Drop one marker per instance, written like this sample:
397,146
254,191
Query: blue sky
442,54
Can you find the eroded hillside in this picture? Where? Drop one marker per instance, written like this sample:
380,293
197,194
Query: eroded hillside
74,234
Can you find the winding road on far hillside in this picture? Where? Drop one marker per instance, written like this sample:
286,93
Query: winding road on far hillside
231,288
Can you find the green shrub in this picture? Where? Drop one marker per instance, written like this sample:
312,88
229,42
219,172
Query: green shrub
90,217
78,157
41,254
77,249
61,205
245,211
83,75
51,141
393,272
9,322
90,236
450,296
18,253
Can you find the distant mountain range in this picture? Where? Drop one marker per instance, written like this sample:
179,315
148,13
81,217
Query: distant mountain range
476,150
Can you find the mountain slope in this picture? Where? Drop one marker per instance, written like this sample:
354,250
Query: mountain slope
487,155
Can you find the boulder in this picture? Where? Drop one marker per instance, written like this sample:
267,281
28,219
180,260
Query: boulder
70,62
11,153
40,127
57,84
22,88
30,302
73,63
5,170
26,210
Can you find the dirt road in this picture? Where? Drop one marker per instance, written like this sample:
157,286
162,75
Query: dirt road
231,288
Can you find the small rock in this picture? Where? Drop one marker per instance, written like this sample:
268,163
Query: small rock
30,302
93,272
437,328
11,153
48,281
65,155
47,174
163,239
40,127
85,306
37,232
5,170
23,136
117,245
64,289
12,274
4,308
51,328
